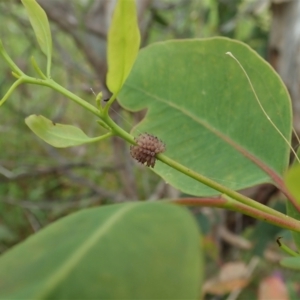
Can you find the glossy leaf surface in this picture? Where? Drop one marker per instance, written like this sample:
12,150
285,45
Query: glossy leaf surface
200,104
123,43
124,251
57,135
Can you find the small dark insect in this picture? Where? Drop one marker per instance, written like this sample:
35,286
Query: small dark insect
146,149
53,123
278,241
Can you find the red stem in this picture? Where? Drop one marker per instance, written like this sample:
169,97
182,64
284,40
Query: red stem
284,221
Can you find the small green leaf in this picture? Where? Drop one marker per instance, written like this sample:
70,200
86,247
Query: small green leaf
40,25
57,135
123,251
123,44
292,179
291,263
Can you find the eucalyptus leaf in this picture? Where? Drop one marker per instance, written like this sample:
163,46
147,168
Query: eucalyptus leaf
40,25
123,43
57,135
123,251
200,104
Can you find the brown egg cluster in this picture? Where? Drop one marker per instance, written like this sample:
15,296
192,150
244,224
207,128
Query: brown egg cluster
146,149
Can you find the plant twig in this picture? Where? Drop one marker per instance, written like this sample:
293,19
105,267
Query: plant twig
286,249
11,89
217,186
267,214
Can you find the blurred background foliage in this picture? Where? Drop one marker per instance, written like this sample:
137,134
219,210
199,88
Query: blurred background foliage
39,184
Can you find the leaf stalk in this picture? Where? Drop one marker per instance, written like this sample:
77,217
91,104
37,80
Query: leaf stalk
272,216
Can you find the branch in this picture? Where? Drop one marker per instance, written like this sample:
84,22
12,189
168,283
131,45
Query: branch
277,219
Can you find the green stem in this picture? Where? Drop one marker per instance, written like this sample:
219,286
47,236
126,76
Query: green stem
11,89
216,186
52,84
37,68
13,66
109,103
286,249
100,138
115,128
17,76
118,130
49,65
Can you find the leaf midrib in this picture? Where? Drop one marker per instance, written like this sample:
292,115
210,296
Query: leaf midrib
66,268
245,152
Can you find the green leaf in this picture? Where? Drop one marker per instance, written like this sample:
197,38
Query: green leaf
200,104
123,251
123,43
291,263
292,179
40,25
57,135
